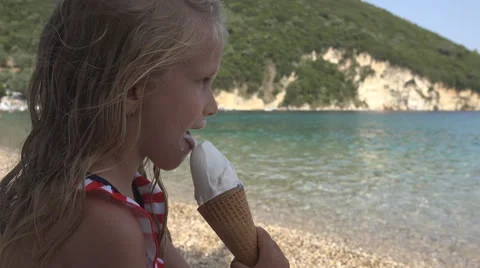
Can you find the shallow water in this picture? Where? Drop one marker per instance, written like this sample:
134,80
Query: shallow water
400,184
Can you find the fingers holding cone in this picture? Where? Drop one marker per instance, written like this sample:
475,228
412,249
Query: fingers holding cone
270,254
229,216
224,206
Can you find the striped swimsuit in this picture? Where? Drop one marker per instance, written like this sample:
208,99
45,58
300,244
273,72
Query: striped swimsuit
144,201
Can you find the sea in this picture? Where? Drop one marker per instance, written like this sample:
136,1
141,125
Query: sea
400,184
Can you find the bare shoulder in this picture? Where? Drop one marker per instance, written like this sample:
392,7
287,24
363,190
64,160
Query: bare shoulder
108,236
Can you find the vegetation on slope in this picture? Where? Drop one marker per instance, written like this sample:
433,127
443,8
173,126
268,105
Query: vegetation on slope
280,31
21,22
318,92
283,29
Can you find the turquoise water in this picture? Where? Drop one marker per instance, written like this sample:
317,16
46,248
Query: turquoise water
402,184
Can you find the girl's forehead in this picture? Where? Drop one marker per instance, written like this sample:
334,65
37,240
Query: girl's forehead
209,54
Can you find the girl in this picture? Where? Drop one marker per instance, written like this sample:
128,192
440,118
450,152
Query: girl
116,82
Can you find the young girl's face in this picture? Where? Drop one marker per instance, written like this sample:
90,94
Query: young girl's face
176,101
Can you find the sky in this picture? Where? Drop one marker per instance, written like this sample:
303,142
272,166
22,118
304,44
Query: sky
457,20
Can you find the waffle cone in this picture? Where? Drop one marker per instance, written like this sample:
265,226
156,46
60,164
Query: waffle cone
229,216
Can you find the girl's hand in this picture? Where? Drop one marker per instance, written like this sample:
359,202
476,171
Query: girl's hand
270,254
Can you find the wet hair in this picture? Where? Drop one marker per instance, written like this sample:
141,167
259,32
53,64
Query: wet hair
90,53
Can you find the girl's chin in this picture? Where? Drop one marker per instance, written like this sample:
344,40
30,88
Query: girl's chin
171,162
172,165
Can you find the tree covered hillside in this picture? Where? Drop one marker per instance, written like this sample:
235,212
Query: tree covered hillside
279,32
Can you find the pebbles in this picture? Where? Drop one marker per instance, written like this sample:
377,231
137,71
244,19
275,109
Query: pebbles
201,247
8,158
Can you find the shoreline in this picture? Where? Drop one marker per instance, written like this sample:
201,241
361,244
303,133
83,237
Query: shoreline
304,246
417,235
317,111
223,109
202,248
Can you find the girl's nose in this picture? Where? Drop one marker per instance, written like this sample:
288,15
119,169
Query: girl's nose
211,108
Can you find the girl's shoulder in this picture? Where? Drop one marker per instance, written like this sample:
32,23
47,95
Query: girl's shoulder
148,204
106,204
108,236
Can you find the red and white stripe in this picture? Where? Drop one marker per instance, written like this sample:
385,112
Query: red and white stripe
154,202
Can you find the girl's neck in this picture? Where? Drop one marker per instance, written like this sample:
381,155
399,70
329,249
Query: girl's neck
119,173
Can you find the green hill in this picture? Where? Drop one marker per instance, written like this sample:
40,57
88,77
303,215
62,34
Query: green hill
280,32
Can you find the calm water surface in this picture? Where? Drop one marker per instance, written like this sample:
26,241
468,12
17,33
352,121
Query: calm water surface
403,184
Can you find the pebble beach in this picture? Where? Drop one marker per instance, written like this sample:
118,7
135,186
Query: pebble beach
202,248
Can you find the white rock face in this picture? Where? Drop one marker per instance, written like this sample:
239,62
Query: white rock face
389,88
394,88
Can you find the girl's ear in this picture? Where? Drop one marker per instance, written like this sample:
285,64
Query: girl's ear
134,99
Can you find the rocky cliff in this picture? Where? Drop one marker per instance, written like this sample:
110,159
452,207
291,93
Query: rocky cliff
387,87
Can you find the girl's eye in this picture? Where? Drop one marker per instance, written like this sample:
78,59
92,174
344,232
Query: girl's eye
206,82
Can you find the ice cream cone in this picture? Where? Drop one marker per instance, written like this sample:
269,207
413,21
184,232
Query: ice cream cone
228,214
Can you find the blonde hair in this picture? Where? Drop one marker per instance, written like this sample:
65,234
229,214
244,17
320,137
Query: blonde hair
90,53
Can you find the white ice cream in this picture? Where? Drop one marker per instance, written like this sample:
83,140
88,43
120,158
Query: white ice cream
212,173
